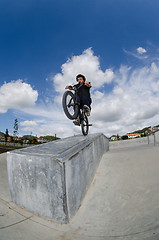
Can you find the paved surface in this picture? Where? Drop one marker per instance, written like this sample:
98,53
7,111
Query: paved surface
121,203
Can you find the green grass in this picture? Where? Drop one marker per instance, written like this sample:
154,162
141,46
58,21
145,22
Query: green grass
9,146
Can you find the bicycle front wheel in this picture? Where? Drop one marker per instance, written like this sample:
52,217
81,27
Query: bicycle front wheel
84,125
69,105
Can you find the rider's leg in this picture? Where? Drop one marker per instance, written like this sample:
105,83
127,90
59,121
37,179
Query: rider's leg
87,110
86,103
77,121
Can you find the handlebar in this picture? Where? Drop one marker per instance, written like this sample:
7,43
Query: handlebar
70,87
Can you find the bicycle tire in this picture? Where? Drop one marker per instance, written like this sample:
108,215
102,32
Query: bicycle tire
70,107
84,125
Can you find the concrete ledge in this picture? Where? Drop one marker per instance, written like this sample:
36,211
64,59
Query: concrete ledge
52,179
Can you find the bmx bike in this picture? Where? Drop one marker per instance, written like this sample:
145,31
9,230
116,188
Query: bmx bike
72,109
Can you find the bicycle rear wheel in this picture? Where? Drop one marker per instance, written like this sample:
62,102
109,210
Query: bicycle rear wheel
84,125
69,105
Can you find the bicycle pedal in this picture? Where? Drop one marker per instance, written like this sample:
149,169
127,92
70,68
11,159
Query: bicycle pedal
76,123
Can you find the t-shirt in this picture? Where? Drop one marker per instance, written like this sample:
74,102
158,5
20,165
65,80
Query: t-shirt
83,90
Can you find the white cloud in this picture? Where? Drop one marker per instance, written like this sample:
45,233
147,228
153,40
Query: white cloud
16,95
28,130
28,123
132,104
141,50
88,65
139,55
133,101
98,95
123,101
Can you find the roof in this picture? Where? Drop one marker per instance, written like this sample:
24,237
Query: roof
133,134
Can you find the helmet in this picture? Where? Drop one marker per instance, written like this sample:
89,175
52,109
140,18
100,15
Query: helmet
80,75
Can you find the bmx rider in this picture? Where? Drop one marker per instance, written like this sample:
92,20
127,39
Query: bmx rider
83,87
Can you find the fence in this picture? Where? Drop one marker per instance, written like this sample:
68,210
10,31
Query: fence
155,135
16,144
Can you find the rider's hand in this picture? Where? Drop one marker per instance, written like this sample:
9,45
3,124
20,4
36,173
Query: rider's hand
68,87
88,84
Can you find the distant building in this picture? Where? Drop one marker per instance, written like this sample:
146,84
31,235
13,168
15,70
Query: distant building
42,140
155,128
2,138
114,137
133,135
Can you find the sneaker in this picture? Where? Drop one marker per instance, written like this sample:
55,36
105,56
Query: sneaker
77,122
87,109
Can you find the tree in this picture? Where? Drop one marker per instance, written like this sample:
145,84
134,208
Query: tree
6,135
118,137
15,132
50,138
124,137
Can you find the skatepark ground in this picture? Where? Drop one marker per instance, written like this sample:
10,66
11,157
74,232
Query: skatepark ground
121,203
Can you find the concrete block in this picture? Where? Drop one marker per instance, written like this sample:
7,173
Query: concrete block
51,179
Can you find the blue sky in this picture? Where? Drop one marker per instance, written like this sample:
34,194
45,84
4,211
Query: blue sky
45,43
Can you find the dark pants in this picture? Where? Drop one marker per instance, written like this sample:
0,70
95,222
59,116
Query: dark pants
85,101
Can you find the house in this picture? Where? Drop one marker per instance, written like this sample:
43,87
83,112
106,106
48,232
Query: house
2,138
114,137
155,129
42,140
133,135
